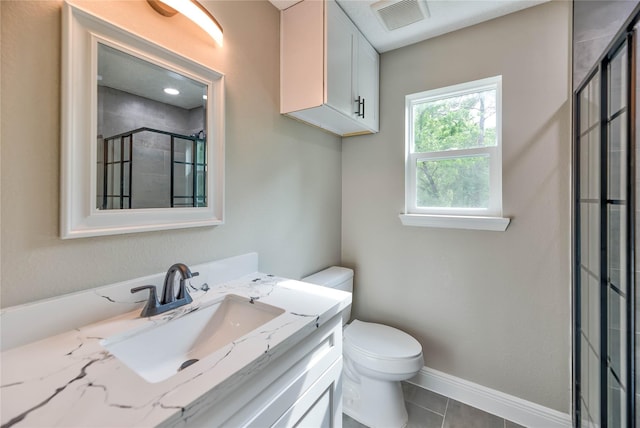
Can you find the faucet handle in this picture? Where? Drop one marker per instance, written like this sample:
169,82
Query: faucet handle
183,293
152,306
186,272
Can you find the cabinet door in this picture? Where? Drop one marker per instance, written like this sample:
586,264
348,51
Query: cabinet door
319,406
366,81
341,37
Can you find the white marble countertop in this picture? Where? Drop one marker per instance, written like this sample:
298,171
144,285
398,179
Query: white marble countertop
71,380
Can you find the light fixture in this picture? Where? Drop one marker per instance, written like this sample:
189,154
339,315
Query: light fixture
171,91
192,10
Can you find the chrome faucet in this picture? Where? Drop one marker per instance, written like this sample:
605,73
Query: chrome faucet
168,293
170,299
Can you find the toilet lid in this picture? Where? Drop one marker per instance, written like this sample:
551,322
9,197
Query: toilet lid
381,340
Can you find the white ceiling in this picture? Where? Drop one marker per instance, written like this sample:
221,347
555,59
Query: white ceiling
445,16
119,70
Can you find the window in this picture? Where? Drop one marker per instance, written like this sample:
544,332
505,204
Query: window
453,157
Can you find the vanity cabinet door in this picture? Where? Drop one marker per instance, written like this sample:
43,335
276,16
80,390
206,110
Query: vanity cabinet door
320,405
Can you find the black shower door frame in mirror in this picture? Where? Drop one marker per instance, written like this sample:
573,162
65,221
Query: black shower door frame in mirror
605,188
151,128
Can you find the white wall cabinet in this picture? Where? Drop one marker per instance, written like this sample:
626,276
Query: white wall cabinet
329,72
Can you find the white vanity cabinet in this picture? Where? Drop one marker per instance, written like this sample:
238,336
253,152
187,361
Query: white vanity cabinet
300,388
329,72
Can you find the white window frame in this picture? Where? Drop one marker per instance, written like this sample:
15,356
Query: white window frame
489,218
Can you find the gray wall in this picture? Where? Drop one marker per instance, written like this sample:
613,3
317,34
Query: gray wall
283,194
489,307
120,112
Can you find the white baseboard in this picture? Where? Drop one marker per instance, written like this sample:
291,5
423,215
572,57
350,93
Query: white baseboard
507,406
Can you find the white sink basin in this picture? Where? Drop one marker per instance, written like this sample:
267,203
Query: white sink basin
158,353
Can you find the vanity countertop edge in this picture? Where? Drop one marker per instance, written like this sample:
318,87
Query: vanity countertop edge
71,380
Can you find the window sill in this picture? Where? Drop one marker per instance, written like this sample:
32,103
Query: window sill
497,224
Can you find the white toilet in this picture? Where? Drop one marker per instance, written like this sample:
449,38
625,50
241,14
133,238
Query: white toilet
376,358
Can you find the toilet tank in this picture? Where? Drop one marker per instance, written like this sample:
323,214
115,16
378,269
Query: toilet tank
337,277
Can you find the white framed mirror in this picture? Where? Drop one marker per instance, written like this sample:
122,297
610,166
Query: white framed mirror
142,133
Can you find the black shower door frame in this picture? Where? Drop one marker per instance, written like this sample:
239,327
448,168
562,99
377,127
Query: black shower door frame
626,39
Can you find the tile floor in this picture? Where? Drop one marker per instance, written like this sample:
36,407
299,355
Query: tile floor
430,410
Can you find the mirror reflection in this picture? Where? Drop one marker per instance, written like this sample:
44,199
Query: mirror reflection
151,138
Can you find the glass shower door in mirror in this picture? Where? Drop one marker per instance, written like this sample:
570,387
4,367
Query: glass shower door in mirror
161,115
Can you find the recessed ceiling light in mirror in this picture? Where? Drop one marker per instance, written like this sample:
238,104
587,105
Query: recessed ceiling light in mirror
125,72
146,110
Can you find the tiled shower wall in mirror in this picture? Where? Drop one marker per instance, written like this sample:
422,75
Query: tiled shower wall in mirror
120,112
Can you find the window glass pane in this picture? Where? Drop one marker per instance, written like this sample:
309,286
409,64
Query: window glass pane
618,81
584,375
183,150
616,401
617,336
117,157
182,202
617,251
200,186
116,179
593,401
461,182
583,148
618,157
459,122
594,239
109,148
125,179
584,108
594,100
110,179
127,147
594,314
584,236
584,301
182,180
200,148
594,163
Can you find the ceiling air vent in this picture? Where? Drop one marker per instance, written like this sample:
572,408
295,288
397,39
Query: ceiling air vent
395,14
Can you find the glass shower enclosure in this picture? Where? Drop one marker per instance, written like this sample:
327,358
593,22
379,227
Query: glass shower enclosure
150,168
605,263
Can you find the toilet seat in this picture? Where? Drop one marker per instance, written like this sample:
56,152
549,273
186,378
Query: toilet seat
381,348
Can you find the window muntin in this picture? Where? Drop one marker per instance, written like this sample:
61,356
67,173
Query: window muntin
453,159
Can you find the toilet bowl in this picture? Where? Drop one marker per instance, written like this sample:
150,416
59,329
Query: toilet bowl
376,358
